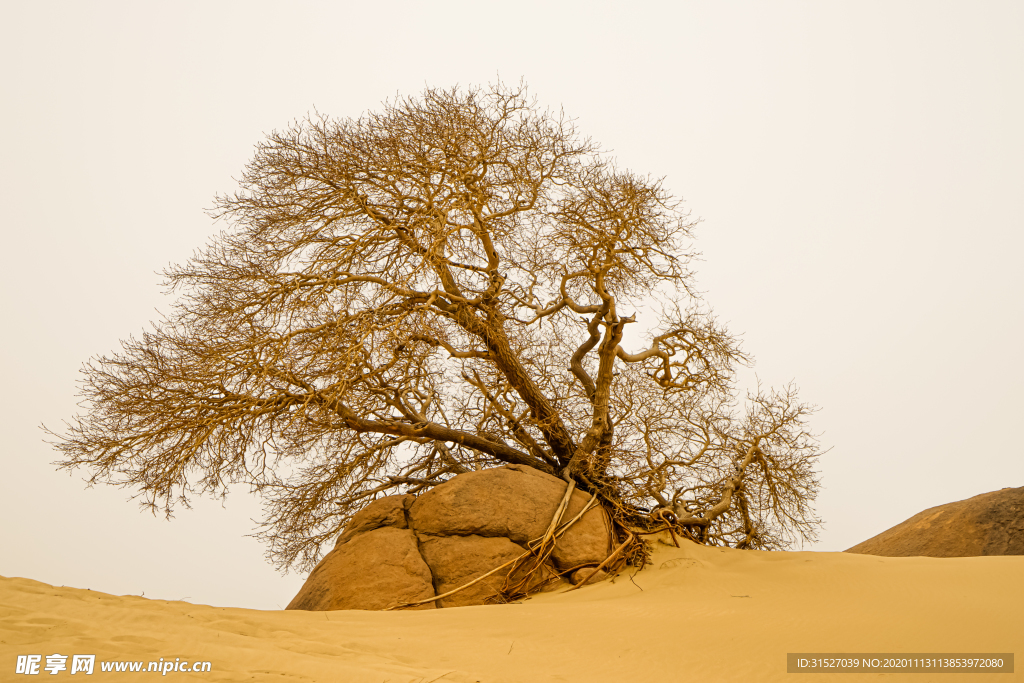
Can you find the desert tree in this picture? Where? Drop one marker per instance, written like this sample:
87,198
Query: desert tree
441,286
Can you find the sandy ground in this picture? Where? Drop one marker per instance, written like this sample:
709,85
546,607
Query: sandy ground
696,614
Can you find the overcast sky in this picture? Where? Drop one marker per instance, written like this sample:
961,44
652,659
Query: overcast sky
857,166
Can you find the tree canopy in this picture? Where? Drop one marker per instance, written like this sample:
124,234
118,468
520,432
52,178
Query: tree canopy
442,286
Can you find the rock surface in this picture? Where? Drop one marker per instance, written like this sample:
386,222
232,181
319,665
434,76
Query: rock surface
405,548
989,524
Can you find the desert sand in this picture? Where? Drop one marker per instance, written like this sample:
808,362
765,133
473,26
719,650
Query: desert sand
696,614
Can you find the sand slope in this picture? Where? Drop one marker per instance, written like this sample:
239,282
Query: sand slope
697,614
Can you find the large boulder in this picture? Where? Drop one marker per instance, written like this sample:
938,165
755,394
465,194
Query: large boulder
401,549
374,570
516,502
455,560
989,524
388,511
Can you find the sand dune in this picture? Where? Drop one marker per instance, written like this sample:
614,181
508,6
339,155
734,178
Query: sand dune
696,614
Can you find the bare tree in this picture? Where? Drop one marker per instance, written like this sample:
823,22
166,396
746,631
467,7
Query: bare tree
439,287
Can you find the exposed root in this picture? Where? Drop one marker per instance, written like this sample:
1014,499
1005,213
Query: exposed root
539,554
607,562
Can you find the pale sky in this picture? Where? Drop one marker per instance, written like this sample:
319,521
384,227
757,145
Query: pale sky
858,166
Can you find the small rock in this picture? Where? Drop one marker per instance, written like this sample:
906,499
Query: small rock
580,574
